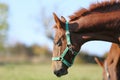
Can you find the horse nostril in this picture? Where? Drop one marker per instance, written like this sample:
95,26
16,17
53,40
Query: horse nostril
57,73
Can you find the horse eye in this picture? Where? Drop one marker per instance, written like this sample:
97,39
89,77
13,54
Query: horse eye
59,43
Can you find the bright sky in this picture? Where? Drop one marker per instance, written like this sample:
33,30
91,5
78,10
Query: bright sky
25,25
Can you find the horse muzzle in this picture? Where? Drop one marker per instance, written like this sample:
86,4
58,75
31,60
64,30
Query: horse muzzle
61,72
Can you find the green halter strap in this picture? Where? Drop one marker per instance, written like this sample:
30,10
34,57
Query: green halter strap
68,48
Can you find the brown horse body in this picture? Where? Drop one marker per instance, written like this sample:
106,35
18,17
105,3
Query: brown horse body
111,65
100,22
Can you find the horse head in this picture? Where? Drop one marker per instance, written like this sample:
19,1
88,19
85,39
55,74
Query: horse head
65,46
99,22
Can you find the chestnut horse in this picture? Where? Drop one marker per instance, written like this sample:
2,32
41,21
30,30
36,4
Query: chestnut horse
100,22
111,65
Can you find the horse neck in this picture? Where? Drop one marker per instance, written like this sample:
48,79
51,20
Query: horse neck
99,26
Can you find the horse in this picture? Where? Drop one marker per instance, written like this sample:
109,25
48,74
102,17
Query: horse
101,21
111,65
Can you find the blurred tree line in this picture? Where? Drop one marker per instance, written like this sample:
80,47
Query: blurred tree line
20,53
85,57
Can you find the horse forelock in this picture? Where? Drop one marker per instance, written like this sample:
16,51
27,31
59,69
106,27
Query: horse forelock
98,7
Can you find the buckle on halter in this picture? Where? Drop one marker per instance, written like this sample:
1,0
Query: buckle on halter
70,48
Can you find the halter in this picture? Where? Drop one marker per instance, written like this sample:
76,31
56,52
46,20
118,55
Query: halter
68,48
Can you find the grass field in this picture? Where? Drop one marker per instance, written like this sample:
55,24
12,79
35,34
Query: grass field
44,72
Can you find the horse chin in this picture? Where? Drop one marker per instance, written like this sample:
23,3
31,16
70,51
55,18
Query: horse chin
61,72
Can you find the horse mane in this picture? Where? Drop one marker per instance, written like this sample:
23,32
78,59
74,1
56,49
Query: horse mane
105,6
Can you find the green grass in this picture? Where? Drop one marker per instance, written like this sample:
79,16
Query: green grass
44,72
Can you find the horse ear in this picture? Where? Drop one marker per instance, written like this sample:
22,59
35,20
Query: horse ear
99,62
58,21
63,19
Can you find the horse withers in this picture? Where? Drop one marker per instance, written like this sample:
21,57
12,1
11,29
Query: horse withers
100,22
111,65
